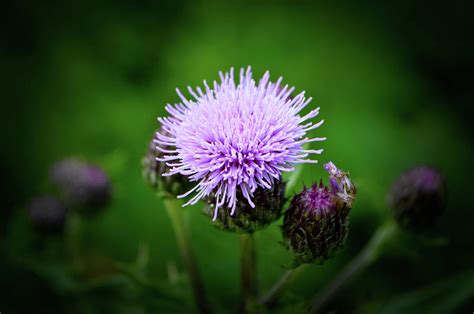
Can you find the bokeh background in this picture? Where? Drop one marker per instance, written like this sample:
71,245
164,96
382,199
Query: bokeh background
88,79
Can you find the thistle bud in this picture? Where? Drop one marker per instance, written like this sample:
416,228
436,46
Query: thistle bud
47,214
153,171
85,187
316,223
418,197
246,219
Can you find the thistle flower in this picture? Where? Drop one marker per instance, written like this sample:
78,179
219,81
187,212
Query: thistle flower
154,169
232,139
268,207
84,186
418,197
316,223
47,214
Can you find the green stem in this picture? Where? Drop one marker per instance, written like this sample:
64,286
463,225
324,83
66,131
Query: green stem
368,255
270,298
74,235
248,273
175,213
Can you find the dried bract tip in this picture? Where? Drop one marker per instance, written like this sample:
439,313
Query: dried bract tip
341,185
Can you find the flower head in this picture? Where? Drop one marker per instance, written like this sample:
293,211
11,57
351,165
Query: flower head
47,214
316,223
418,197
84,186
234,138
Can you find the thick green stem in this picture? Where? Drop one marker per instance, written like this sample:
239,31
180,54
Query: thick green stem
175,212
368,255
248,273
270,298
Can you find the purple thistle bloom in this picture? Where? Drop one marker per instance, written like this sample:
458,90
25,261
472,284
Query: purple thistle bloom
417,197
236,137
84,186
47,214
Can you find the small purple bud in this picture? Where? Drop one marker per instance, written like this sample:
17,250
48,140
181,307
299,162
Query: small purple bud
245,219
418,197
153,171
47,214
85,187
316,223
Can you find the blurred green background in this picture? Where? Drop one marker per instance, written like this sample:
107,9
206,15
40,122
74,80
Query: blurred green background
88,78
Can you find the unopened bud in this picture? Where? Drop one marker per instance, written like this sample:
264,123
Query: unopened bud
84,186
418,197
47,214
316,223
